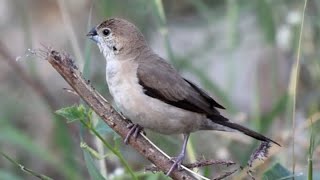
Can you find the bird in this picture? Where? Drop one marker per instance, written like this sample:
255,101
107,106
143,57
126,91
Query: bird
151,93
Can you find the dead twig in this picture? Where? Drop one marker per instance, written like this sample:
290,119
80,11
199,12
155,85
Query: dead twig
210,162
200,163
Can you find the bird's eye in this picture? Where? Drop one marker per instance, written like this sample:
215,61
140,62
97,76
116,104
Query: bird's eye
106,32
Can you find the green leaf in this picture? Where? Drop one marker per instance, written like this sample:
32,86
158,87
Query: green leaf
72,113
277,171
92,169
90,163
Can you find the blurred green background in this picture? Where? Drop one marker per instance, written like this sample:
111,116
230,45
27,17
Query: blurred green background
242,52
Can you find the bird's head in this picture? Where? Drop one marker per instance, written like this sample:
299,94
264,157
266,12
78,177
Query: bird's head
117,37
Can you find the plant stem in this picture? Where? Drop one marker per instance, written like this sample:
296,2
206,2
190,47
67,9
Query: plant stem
114,151
293,88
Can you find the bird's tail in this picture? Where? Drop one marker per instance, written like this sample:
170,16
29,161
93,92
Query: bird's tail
225,122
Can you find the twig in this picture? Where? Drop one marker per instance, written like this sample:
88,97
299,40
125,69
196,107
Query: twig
210,162
70,91
65,66
201,163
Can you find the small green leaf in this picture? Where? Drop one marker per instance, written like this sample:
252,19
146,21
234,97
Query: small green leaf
93,152
72,113
277,171
92,169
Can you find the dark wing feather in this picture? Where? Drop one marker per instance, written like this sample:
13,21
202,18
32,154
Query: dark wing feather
160,80
205,95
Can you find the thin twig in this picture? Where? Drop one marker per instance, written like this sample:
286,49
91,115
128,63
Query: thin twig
210,162
70,91
198,164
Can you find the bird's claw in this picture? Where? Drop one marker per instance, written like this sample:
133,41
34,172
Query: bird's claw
177,163
135,129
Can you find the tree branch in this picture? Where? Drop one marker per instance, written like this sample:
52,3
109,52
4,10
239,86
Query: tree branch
65,66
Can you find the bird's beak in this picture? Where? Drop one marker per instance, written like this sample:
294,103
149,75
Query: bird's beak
93,35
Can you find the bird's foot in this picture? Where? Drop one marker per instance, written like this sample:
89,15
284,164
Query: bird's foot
135,129
177,163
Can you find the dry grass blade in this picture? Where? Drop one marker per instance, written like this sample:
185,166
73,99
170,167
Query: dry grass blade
293,87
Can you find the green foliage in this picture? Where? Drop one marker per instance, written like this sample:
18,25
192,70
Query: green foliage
266,19
277,171
26,170
311,151
22,141
73,113
91,166
85,116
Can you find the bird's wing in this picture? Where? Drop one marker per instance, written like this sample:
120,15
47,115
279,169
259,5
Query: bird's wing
161,81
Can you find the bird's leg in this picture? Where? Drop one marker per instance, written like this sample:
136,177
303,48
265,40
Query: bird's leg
178,160
137,131
134,130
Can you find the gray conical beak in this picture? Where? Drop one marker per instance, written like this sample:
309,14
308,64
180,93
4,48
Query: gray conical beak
92,32
93,35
